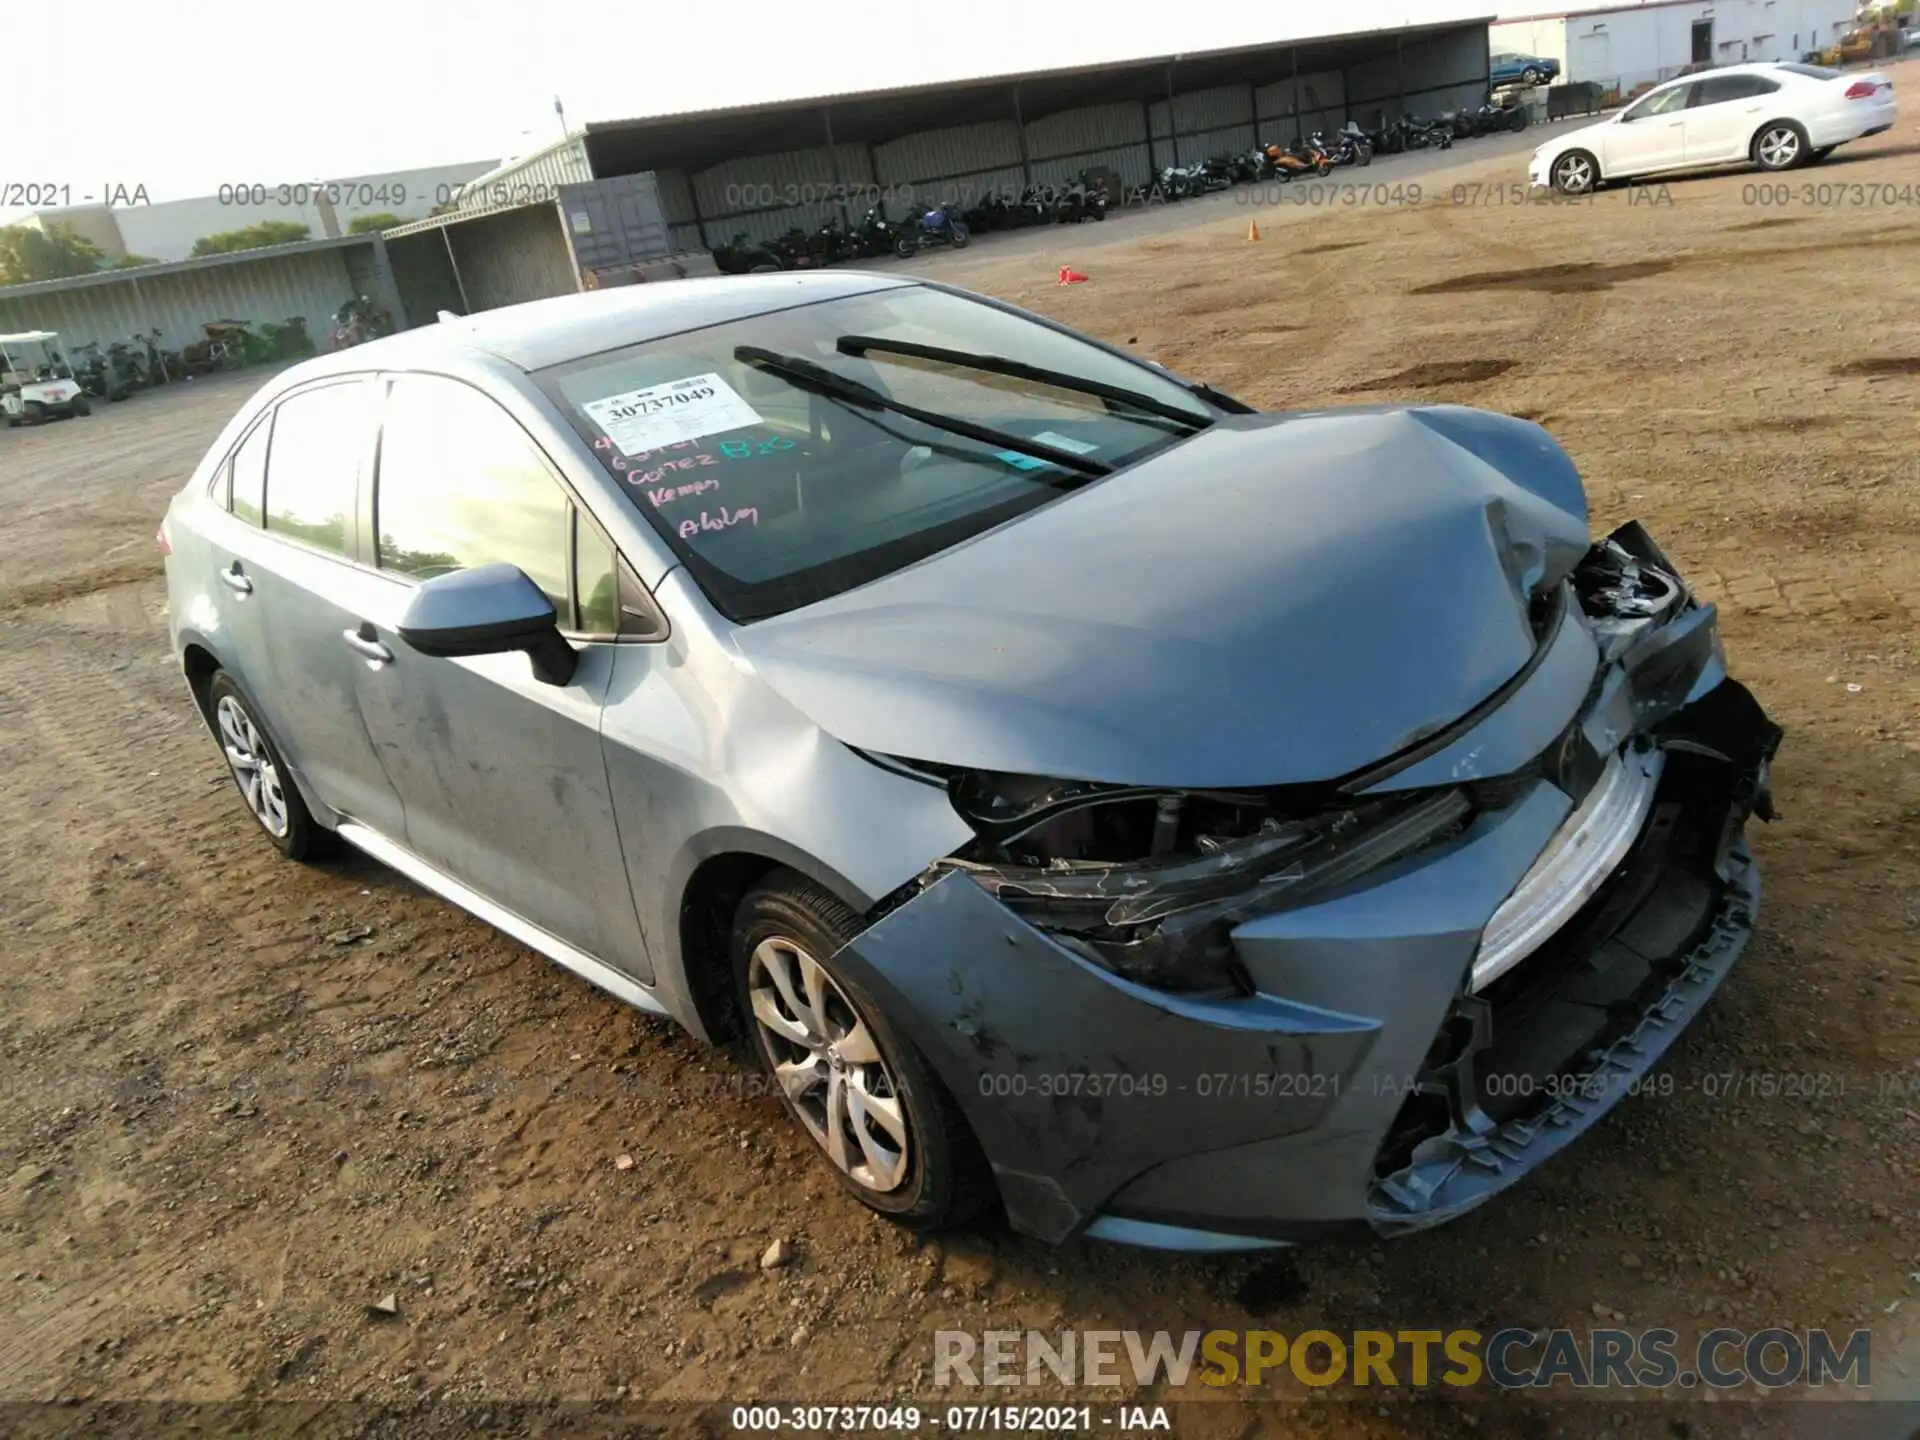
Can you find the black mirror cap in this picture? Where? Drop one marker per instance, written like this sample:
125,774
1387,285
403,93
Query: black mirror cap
487,610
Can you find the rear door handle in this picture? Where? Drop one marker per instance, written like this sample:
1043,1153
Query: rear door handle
235,579
364,643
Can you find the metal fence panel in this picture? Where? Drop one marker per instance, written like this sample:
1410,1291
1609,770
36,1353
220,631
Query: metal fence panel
1131,162
960,150
1090,130
810,181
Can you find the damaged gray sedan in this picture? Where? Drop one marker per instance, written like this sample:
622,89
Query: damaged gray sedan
1169,822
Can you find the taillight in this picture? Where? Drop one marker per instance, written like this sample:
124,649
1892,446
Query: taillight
1862,90
160,539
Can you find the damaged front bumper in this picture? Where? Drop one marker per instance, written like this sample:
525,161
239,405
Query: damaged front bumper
1406,1042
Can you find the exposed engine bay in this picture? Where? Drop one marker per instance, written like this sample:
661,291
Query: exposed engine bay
1149,882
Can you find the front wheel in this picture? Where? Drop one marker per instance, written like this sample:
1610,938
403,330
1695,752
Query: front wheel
1530,76
863,1094
260,774
82,407
1575,173
960,236
1779,146
905,247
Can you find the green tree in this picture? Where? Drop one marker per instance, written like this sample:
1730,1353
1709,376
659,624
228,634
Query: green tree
254,237
28,253
368,224
130,262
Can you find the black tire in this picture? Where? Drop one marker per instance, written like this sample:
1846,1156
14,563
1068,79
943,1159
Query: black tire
905,248
948,1180
36,413
1530,76
304,838
81,407
1772,152
960,236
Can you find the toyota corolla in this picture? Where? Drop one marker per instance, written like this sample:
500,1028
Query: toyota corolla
1083,793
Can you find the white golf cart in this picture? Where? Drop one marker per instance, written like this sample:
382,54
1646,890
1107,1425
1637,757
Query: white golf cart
36,381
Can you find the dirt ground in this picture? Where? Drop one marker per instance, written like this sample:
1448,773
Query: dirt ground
243,1100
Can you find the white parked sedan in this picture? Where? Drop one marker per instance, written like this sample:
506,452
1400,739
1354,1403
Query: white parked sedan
1775,115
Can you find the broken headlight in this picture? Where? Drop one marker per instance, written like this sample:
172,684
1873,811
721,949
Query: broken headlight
1150,883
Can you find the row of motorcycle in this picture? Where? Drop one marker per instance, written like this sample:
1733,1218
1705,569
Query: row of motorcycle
117,369
1097,191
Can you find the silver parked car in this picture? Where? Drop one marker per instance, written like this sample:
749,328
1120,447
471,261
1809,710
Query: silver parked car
1172,823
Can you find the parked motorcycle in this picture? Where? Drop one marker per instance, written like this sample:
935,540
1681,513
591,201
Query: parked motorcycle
1300,158
1360,140
1419,134
743,255
1251,167
1489,119
98,373
1342,149
356,322
1081,201
934,228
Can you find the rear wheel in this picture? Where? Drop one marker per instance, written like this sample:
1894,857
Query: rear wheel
260,774
864,1095
1780,146
1530,76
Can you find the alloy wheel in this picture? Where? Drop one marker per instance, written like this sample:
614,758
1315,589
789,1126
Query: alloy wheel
1574,174
826,1060
1779,147
254,770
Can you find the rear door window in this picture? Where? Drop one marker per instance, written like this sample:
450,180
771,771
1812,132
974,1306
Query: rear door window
461,484
248,470
320,438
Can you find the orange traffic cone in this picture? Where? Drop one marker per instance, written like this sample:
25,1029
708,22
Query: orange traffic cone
1071,277
1253,230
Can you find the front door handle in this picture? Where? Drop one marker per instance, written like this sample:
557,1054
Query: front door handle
235,579
364,643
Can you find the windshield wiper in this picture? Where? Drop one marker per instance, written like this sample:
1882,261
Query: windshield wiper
857,345
798,370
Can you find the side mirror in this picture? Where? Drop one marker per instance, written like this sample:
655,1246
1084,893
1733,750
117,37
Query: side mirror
488,610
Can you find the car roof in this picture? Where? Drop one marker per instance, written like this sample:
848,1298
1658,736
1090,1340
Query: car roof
1745,67
540,333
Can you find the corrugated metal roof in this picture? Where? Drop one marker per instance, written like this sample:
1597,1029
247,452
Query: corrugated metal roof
932,87
179,267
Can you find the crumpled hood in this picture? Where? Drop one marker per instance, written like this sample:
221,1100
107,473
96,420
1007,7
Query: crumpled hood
1280,599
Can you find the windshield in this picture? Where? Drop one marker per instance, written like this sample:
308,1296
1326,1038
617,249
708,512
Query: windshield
773,456
30,360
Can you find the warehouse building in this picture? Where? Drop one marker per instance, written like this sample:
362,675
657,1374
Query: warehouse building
600,205
1624,48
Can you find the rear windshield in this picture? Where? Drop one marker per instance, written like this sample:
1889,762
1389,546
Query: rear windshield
775,496
1812,72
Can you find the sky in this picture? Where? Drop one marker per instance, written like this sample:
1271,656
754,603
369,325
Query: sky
181,98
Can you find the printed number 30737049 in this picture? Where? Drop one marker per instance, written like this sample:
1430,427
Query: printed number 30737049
653,405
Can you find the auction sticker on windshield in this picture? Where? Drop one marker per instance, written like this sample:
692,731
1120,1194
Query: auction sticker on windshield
661,415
